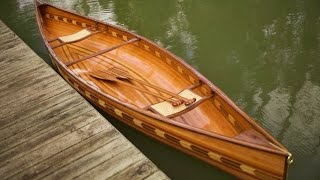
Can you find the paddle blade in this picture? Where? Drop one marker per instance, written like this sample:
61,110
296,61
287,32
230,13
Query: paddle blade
119,73
102,75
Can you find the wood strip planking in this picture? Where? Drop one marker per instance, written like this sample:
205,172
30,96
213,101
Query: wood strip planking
48,130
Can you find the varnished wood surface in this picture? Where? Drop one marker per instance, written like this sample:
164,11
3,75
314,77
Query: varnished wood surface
48,131
216,130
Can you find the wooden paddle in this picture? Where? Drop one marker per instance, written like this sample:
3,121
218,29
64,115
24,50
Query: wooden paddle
126,75
111,77
122,74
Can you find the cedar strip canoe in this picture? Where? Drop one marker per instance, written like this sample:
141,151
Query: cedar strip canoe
155,92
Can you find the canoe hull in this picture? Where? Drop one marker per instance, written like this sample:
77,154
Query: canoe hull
165,133
238,157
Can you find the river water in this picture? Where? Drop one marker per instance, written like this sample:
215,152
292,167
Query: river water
265,55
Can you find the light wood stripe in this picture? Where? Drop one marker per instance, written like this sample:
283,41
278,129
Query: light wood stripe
159,133
217,103
231,119
168,61
137,122
146,47
185,144
157,54
102,103
118,112
247,169
214,156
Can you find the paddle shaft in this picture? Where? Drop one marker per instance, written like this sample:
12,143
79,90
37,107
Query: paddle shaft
144,90
150,85
160,89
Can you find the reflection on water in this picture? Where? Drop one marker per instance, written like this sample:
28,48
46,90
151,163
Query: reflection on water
264,54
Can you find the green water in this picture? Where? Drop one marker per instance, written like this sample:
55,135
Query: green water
265,55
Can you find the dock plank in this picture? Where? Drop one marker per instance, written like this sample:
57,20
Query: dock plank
48,131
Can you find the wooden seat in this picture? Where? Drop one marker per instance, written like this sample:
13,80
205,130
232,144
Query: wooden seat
75,37
166,108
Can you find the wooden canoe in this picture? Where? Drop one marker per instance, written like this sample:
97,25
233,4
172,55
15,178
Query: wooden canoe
157,93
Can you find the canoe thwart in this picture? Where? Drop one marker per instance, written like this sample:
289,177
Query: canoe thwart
102,51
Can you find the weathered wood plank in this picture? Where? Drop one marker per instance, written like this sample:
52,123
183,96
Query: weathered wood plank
29,92
157,175
85,163
60,120
50,147
49,131
103,169
142,169
49,107
54,163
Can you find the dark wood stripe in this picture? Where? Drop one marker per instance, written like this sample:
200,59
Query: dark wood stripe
238,126
149,128
172,139
230,162
109,108
119,35
127,117
81,89
94,98
200,150
223,110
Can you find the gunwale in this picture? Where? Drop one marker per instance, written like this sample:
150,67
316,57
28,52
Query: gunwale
216,90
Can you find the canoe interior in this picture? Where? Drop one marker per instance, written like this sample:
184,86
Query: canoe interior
147,62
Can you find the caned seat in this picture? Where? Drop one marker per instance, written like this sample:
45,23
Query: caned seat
166,108
75,37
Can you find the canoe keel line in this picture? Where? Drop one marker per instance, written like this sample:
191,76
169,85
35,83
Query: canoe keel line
153,91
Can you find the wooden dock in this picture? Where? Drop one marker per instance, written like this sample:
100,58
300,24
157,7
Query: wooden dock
48,131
